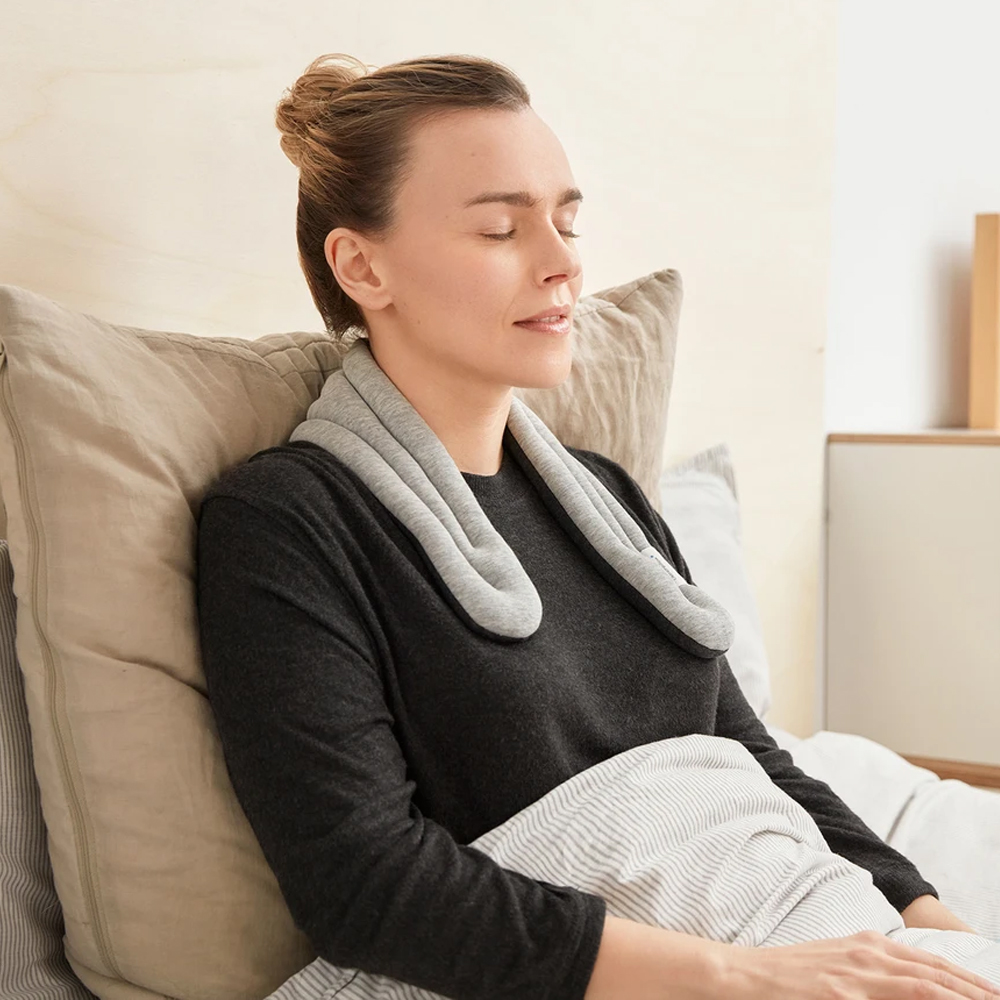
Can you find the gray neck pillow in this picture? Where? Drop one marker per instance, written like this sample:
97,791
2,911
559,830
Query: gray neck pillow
372,428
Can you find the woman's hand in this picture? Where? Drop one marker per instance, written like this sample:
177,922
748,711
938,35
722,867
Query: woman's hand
929,911
864,966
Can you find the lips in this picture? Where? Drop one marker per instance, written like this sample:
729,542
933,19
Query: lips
552,313
560,325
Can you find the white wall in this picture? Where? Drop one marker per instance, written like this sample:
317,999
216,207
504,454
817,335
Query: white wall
141,180
917,156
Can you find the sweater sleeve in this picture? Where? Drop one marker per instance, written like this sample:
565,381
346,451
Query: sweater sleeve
893,874
296,690
846,834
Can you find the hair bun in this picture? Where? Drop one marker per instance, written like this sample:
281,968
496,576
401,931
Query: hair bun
303,105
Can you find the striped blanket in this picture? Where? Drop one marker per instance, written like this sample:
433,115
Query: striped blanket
691,834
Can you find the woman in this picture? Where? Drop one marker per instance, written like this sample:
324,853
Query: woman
369,733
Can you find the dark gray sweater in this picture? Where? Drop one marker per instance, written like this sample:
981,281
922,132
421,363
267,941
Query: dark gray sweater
370,735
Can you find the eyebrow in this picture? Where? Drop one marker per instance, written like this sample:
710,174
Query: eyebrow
522,198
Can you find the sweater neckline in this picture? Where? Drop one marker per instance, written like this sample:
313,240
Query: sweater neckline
499,483
504,459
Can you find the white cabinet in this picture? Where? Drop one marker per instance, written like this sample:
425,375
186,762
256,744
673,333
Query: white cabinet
913,596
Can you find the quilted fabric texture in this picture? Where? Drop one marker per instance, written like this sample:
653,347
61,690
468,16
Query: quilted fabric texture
109,436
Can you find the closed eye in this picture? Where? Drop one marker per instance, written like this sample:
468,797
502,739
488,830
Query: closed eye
509,236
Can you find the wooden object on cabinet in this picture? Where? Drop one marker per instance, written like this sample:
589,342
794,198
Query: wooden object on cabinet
981,775
984,342
913,596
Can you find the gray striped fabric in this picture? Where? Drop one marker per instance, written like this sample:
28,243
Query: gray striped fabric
688,833
33,964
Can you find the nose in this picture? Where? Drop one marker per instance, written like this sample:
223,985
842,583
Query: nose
559,259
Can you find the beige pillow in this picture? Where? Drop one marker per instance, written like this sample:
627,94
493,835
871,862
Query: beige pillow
109,436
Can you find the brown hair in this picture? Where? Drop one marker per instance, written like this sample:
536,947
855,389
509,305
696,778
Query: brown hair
346,126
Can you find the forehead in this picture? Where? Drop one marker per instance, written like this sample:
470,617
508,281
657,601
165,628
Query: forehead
462,155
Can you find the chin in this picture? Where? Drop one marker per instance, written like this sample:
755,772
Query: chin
542,375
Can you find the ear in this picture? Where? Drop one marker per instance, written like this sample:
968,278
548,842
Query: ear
351,258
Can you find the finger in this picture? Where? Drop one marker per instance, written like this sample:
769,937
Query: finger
915,954
953,977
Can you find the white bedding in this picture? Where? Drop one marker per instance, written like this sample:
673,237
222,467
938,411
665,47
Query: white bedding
949,829
688,833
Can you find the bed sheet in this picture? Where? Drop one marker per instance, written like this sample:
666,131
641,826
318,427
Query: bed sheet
949,829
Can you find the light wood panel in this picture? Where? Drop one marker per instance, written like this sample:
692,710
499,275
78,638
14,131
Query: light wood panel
946,435
981,775
984,343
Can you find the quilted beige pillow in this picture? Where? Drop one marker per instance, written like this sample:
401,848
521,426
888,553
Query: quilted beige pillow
109,436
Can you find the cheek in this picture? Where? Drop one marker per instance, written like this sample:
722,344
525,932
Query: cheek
461,282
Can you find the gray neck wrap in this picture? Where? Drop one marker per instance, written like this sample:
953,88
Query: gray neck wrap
370,426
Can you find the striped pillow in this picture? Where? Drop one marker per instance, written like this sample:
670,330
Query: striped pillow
33,963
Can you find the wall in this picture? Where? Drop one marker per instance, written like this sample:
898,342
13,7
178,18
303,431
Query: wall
917,157
141,180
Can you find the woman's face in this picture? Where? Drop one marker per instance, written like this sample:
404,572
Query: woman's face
455,278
